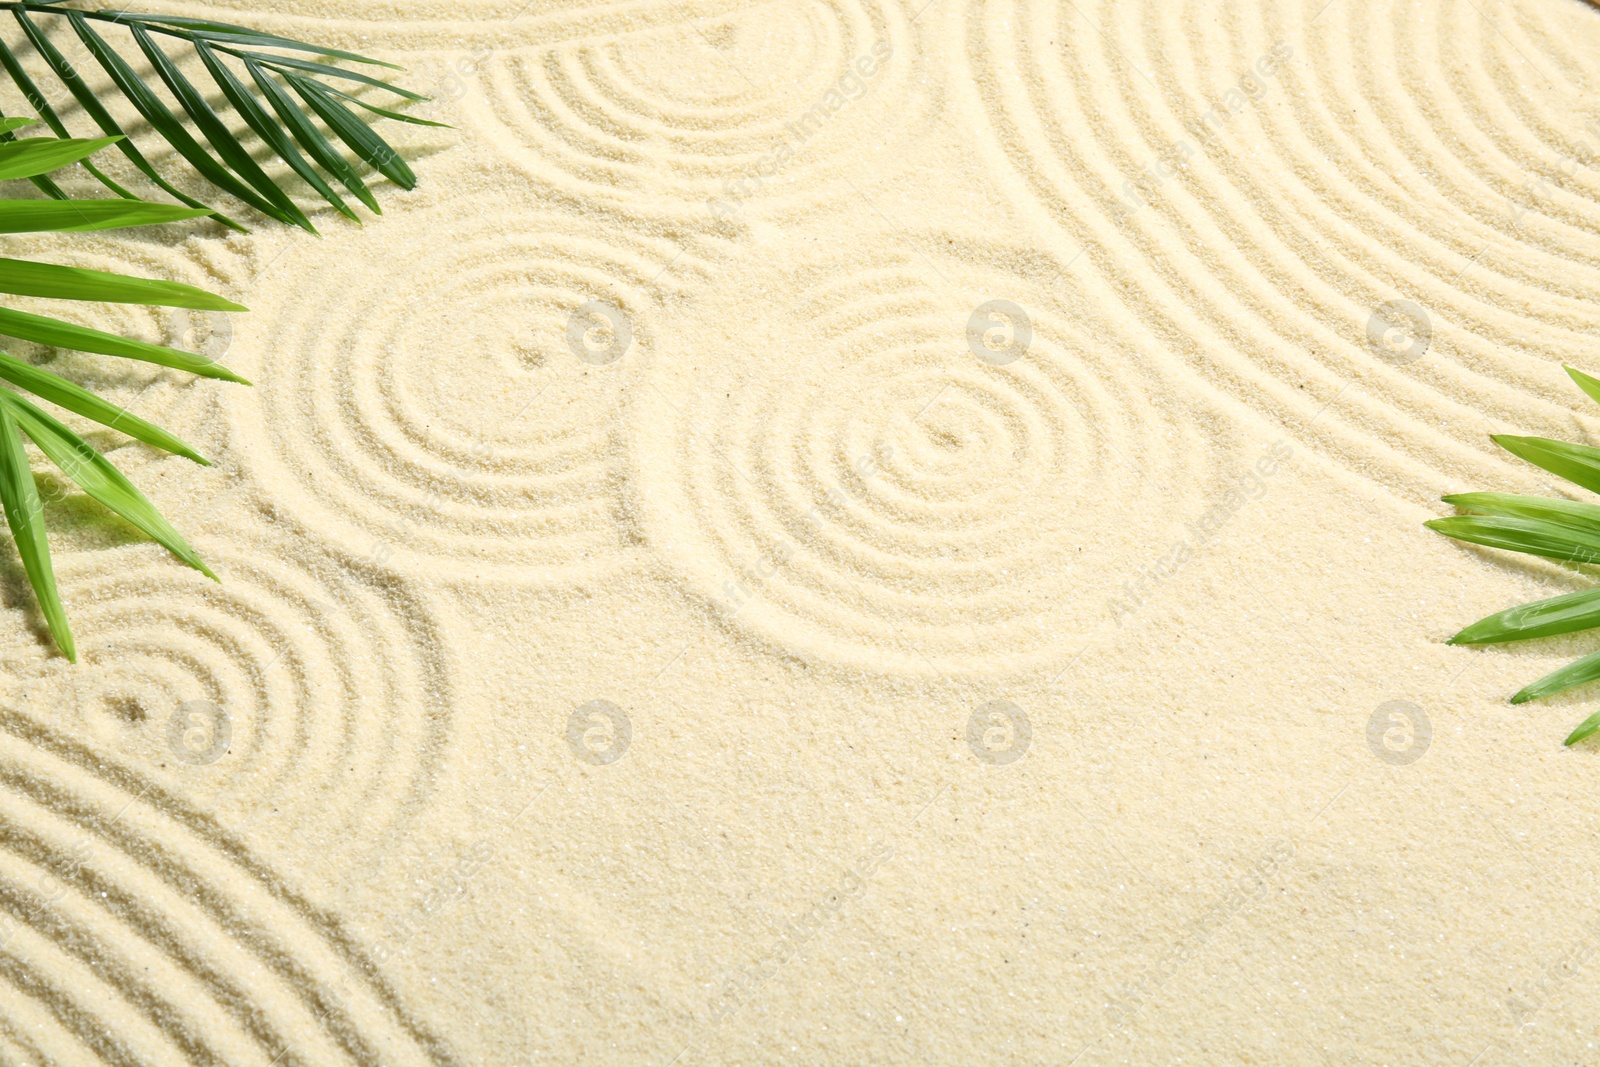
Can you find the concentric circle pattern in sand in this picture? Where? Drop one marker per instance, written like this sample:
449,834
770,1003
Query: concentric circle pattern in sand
715,118
301,700
1253,185
892,500
512,460
133,931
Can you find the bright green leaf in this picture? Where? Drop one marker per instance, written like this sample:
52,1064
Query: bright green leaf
95,475
1565,614
26,278
25,515
1574,674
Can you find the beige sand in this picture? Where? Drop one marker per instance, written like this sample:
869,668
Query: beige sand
662,623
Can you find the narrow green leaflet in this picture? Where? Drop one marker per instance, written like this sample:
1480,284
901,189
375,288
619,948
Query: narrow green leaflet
1586,728
1585,382
311,139
26,278
1572,513
79,216
40,155
1544,618
78,400
1574,674
60,334
36,100
91,105
353,132
25,515
212,30
283,64
156,112
1543,526
12,125
95,475
258,119
1533,536
216,131
386,113
1578,464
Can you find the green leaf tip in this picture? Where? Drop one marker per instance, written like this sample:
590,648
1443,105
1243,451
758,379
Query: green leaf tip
1584,729
1588,384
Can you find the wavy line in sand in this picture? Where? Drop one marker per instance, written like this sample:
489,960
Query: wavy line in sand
511,462
764,116
1301,194
319,694
133,930
891,500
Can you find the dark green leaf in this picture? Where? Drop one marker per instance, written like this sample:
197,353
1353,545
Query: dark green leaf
92,107
25,515
311,139
95,475
284,65
216,131
165,122
208,29
1578,464
1545,618
398,116
47,331
80,401
353,132
1574,674
270,132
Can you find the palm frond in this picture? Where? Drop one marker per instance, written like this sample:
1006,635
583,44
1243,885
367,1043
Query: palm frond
21,419
289,127
1542,526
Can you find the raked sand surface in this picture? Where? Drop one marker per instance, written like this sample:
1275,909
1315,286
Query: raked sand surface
676,610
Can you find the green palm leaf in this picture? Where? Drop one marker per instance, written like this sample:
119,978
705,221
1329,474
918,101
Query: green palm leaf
96,476
269,110
79,460
78,400
1543,618
1542,526
1578,672
283,126
25,515
25,278
80,216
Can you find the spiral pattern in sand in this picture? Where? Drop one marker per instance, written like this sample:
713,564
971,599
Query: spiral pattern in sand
892,500
1255,186
511,462
319,696
133,930
755,123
